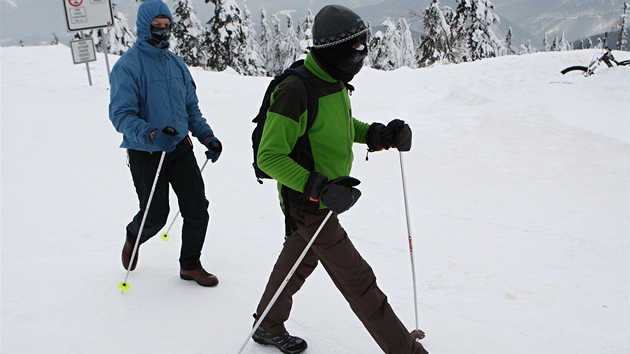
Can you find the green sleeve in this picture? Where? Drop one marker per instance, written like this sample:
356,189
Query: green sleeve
278,139
360,131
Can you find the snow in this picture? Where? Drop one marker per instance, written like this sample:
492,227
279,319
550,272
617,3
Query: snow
518,199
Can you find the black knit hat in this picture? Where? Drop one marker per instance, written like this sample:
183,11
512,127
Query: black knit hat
335,24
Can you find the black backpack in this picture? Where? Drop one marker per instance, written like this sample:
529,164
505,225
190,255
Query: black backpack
298,69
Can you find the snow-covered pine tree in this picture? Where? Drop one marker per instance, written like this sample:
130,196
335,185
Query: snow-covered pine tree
554,45
406,45
545,43
589,43
120,37
277,59
622,39
384,51
473,29
509,47
527,48
290,45
266,43
225,42
307,31
253,62
436,45
563,44
188,33
55,39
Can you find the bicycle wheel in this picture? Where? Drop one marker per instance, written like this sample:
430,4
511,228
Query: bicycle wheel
578,69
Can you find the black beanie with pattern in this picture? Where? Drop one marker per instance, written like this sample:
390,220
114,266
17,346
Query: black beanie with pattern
339,41
335,24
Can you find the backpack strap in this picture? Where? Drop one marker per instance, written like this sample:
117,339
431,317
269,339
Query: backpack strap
311,92
312,103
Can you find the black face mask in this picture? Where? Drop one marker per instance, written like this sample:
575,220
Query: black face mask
160,36
161,33
343,61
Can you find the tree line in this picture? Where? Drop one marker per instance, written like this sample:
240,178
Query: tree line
230,39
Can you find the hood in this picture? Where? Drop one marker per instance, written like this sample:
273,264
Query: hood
147,11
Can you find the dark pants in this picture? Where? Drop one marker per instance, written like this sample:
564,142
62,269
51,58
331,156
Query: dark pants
181,171
349,272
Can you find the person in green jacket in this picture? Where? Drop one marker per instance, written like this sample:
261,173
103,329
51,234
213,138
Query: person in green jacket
313,179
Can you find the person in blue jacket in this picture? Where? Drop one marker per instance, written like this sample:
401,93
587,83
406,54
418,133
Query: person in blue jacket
154,105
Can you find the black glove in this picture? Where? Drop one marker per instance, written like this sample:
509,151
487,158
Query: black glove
214,148
399,133
166,139
375,140
396,134
337,195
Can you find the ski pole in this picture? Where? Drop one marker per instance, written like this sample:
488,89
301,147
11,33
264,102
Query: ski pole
417,333
165,235
124,286
285,281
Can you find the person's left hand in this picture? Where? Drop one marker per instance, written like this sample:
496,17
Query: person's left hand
399,134
214,148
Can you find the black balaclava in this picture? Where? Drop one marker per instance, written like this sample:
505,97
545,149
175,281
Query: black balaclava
336,32
159,35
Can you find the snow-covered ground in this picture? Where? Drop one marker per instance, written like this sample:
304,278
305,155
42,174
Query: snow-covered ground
518,195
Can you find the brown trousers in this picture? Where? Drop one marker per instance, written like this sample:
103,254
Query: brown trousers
352,275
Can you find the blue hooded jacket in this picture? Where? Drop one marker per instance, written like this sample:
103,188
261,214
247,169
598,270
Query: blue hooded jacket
151,88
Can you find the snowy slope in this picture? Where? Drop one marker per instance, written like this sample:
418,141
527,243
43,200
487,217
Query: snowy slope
518,195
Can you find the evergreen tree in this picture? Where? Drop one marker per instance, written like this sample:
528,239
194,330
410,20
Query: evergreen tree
266,43
226,40
277,59
589,43
55,39
253,61
406,45
120,37
307,31
546,46
384,48
188,33
473,29
437,44
622,39
509,47
601,43
563,44
554,45
290,45
527,48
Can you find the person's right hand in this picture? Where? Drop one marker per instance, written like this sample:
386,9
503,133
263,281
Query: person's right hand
337,195
166,139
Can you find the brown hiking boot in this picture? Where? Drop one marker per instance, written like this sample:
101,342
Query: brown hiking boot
126,255
199,275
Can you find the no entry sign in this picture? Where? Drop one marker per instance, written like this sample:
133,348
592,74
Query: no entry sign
88,14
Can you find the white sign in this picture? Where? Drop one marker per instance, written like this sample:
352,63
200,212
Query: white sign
83,51
88,14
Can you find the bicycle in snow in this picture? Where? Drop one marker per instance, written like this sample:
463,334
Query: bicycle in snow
605,56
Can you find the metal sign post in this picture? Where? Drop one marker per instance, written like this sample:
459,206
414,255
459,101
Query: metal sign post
88,14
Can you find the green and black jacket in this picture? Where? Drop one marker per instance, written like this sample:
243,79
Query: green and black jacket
331,136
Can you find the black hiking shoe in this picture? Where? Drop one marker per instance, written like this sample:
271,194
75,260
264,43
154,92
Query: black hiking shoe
126,255
284,341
